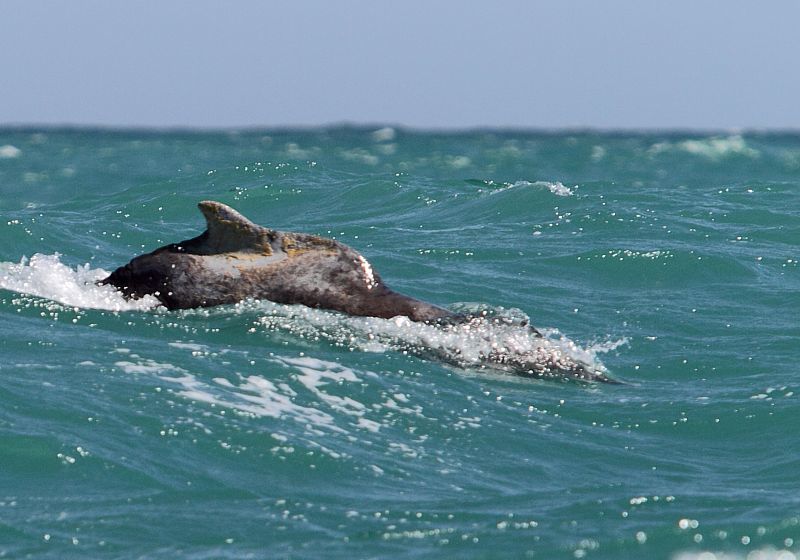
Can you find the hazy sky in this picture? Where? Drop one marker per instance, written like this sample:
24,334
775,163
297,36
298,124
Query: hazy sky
446,63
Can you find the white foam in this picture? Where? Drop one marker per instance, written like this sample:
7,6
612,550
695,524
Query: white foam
607,346
255,395
46,276
308,399
294,151
557,188
501,343
458,162
189,346
315,374
146,367
386,134
713,148
387,149
598,153
360,155
766,553
9,152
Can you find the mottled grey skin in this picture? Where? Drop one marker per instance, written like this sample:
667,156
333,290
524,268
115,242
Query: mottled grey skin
235,259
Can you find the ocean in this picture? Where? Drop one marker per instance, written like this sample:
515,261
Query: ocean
671,260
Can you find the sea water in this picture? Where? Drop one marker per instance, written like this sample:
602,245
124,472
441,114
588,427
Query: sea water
671,260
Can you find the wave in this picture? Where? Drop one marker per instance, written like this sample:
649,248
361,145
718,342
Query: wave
9,152
557,187
257,396
490,338
47,277
713,148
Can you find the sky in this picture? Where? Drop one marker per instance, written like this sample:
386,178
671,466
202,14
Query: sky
612,64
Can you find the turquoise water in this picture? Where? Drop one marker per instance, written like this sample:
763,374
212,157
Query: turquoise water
269,431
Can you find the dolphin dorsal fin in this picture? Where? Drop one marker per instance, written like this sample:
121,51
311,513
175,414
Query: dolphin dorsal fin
230,232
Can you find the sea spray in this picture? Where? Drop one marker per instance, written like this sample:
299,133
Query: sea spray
47,277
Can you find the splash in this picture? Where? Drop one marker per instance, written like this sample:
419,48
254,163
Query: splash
46,276
492,338
557,188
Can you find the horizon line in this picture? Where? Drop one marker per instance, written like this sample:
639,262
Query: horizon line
374,126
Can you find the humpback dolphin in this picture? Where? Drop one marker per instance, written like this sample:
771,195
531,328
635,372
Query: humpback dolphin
236,259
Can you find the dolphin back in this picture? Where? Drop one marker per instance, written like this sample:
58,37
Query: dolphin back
236,259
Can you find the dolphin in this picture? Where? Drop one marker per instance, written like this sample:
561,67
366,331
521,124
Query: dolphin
236,259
